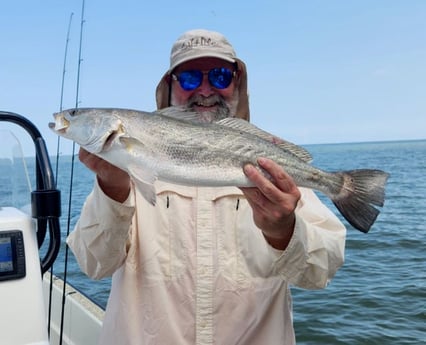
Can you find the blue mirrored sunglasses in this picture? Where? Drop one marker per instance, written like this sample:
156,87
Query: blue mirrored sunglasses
220,78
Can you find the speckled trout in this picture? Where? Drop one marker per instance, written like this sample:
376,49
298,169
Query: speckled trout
173,145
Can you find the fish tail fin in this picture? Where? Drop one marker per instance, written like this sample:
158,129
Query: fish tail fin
361,190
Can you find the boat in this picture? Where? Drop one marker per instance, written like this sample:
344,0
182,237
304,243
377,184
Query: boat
37,307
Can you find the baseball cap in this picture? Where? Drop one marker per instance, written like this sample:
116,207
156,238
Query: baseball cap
200,43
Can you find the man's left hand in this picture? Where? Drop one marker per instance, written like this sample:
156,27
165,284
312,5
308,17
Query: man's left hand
273,202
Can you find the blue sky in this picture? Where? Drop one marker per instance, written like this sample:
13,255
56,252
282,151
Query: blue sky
319,71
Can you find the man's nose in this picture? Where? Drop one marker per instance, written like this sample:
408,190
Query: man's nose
205,89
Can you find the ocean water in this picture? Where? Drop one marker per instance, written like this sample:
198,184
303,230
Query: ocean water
378,296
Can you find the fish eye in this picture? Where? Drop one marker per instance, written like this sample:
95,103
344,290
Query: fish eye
73,112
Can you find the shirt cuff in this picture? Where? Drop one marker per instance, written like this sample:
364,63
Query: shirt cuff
295,251
102,211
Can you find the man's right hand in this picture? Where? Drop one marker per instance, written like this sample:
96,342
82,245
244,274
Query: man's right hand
113,181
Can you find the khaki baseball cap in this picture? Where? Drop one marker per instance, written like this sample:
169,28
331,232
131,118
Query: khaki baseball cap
200,43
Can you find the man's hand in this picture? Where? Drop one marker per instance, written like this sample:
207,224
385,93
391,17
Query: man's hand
113,181
273,202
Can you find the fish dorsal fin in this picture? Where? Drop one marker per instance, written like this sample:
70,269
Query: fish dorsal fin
247,127
179,113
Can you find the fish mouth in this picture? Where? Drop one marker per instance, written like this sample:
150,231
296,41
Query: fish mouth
60,125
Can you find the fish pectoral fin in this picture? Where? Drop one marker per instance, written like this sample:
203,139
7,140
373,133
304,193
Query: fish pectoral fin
147,191
144,182
130,143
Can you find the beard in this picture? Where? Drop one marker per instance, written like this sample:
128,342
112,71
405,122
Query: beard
222,110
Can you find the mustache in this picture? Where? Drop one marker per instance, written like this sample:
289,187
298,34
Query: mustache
221,111
207,101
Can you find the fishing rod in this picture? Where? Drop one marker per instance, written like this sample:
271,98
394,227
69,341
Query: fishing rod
82,21
62,87
49,318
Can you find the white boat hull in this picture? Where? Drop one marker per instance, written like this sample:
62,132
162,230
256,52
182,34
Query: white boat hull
82,317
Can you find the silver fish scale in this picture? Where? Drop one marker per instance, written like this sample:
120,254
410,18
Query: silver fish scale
208,154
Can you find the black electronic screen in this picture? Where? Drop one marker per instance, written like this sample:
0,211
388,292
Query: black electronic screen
12,255
6,258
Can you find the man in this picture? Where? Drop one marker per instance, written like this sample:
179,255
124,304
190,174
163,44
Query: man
205,265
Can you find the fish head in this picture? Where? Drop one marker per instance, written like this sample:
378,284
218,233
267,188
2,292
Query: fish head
93,129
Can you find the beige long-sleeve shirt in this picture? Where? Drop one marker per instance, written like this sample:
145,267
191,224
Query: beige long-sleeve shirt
194,269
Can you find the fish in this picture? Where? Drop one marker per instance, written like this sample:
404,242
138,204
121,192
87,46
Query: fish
174,145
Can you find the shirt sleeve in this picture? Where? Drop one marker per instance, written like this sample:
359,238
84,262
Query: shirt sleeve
100,236
316,250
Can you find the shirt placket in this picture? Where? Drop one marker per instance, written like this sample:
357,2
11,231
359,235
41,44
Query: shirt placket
204,273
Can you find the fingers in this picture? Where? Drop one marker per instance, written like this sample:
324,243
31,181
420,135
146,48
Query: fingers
113,181
280,182
273,201
82,154
88,159
255,198
95,163
105,171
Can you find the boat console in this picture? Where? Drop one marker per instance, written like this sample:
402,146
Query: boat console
23,232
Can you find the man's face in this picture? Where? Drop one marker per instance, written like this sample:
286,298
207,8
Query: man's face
210,102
